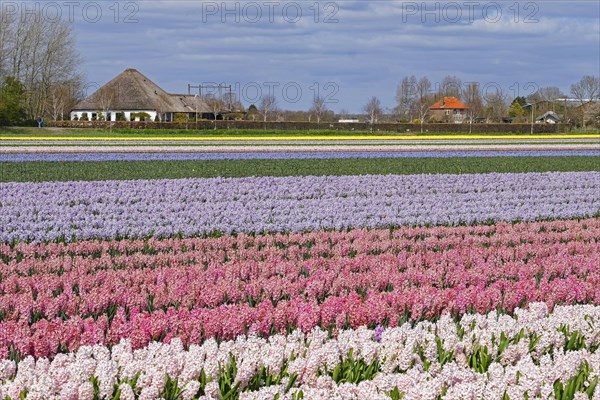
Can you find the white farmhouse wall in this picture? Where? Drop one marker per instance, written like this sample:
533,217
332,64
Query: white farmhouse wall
113,114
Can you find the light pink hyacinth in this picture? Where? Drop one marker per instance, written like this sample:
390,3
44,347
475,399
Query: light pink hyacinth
533,368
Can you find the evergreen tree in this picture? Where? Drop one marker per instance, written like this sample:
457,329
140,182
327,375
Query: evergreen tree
12,102
516,110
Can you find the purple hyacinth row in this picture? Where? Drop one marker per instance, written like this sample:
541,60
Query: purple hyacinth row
171,156
83,210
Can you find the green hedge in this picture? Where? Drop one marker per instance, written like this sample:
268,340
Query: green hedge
405,128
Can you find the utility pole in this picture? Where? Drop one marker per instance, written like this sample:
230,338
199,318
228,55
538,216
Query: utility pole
532,115
220,87
196,103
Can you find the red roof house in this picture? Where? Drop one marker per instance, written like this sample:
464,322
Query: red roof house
449,109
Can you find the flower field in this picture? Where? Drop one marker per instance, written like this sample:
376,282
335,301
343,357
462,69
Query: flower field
381,286
163,208
57,297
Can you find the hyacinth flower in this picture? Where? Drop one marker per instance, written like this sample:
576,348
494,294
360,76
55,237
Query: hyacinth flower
480,356
65,211
57,297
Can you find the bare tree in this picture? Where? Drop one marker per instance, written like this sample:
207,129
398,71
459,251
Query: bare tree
319,108
215,105
105,97
59,98
451,86
545,98
550,93
495,105
592,113
423,98
40,53
373,109
267,106
471,96
343,114
586,91
405,97
7,25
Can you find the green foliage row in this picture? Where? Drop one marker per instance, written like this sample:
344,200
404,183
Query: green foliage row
352,371
579,383
120,170
165,130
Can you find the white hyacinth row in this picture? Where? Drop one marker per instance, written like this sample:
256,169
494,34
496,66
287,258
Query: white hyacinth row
527,356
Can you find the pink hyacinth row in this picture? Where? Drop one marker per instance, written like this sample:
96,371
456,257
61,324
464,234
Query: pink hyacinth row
55,298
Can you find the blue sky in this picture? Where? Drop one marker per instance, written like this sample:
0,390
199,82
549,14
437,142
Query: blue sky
346,50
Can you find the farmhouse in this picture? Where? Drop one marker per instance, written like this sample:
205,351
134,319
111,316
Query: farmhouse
131,96
549,117
449,109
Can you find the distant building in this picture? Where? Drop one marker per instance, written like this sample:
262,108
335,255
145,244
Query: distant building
450,109
347,121
549,117
132,96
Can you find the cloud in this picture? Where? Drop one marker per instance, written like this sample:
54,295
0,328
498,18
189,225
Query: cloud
363,47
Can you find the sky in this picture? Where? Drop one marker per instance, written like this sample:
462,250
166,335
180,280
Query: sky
345,51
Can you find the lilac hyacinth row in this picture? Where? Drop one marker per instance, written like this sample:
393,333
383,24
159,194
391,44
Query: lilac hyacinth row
171,156
84,210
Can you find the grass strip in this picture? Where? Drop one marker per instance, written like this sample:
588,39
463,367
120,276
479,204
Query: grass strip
226,138
28,133
122,170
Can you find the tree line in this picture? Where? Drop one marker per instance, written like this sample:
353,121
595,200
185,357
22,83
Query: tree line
415,97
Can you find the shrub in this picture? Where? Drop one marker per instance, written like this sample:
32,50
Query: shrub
143,116
180,118
234,116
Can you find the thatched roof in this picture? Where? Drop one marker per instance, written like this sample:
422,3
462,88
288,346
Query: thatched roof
132,90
